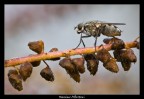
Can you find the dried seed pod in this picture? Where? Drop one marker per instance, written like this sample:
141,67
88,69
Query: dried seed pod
126,65
89,56
117,55
15,80
35,63
118,44
67,64
47,74
37,46
107,40
128,55
74,74
103,55
92,66
54,50
25,70
12,71
138,45
79,63
111,65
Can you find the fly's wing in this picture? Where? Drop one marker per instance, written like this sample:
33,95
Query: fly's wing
115,23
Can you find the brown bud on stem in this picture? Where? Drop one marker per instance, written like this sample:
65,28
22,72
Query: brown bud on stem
54,50
37,46
25,70
79,63
15,80
111,65
47,74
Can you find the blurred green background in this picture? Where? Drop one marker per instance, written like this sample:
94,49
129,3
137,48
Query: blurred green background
54,24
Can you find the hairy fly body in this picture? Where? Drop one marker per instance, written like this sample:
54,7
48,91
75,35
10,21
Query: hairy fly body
96,28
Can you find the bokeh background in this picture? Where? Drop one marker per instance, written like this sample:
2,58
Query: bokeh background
54,24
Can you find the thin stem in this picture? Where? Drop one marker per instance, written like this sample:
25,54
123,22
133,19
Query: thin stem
70,52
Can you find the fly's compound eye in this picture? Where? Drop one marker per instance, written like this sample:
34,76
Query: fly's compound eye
80,28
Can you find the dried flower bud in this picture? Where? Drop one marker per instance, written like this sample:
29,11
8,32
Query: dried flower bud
74,74
15,80
37,46
12,71
35,63
54,50
67,64
126,65
89,56
117,55
111,65
138,45
25,70
107,40
79,63
47,74
103,55
92,66
116,43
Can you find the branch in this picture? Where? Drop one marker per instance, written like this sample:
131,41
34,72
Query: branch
65,53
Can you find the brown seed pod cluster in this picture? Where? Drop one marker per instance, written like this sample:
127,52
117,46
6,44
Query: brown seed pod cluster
125,56
17,75
47,74
15,79
25,70
75,66
92,63
108,61
116,43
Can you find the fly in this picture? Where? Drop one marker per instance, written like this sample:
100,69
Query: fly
96,28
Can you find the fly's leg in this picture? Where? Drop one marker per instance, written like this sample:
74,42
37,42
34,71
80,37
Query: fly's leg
81,40
95,42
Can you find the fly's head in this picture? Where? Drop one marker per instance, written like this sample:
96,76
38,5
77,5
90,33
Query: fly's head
80,28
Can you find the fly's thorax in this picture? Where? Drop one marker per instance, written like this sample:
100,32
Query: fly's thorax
92,28
110,30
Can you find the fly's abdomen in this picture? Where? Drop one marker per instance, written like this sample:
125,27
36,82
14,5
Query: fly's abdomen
110,30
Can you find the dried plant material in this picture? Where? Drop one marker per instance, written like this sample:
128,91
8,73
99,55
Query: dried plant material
35,63
126,65
70,68
107,40
37,46
26,70
89,56
74,74
125,55
54,50
79,63
103,55
138,45
117,55
111,65
67,64
92,66
47,74
12,71
116,43
15,80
